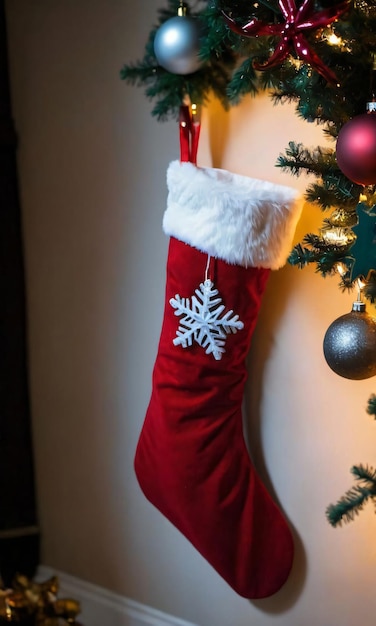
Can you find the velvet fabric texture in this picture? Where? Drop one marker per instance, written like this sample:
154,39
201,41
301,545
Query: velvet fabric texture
191,460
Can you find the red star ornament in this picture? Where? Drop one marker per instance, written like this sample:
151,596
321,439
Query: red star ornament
298,21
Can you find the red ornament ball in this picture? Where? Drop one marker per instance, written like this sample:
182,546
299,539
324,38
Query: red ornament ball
356,149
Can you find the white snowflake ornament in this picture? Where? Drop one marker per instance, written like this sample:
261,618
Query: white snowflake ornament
201,321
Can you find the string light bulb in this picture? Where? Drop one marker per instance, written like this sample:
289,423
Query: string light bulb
334,40
341,269
361,284
336,236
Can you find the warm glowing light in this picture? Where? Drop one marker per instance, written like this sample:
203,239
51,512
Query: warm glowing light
361,283
334,40
336,236
341,269
196,113
297,63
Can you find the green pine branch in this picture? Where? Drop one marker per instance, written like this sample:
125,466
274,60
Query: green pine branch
244,80
297,158
349,505
334,190
243,10
369,289
325,257
353,501
371,409
302,256
365,474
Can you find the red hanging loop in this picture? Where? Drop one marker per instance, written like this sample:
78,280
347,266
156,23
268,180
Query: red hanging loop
185,132
190,127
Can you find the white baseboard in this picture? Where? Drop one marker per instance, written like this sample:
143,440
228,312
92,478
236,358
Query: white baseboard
100,607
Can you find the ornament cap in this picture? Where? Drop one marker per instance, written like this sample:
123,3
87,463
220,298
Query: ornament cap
371,107
359,306
182,10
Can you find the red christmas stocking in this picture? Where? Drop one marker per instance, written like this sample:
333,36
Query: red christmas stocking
227,231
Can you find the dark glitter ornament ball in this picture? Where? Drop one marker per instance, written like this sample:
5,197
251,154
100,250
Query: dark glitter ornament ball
350,344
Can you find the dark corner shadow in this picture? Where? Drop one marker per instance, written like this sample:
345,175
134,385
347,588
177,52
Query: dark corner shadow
273,305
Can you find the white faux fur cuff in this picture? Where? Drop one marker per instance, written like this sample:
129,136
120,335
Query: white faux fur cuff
241,220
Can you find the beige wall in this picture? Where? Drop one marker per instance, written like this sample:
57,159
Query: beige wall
92,170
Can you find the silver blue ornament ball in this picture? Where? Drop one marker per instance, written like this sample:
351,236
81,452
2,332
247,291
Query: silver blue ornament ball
177,45
350,344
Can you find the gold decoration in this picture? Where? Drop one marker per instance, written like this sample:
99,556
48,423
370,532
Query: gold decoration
337,236
366,8
36,604
343,218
